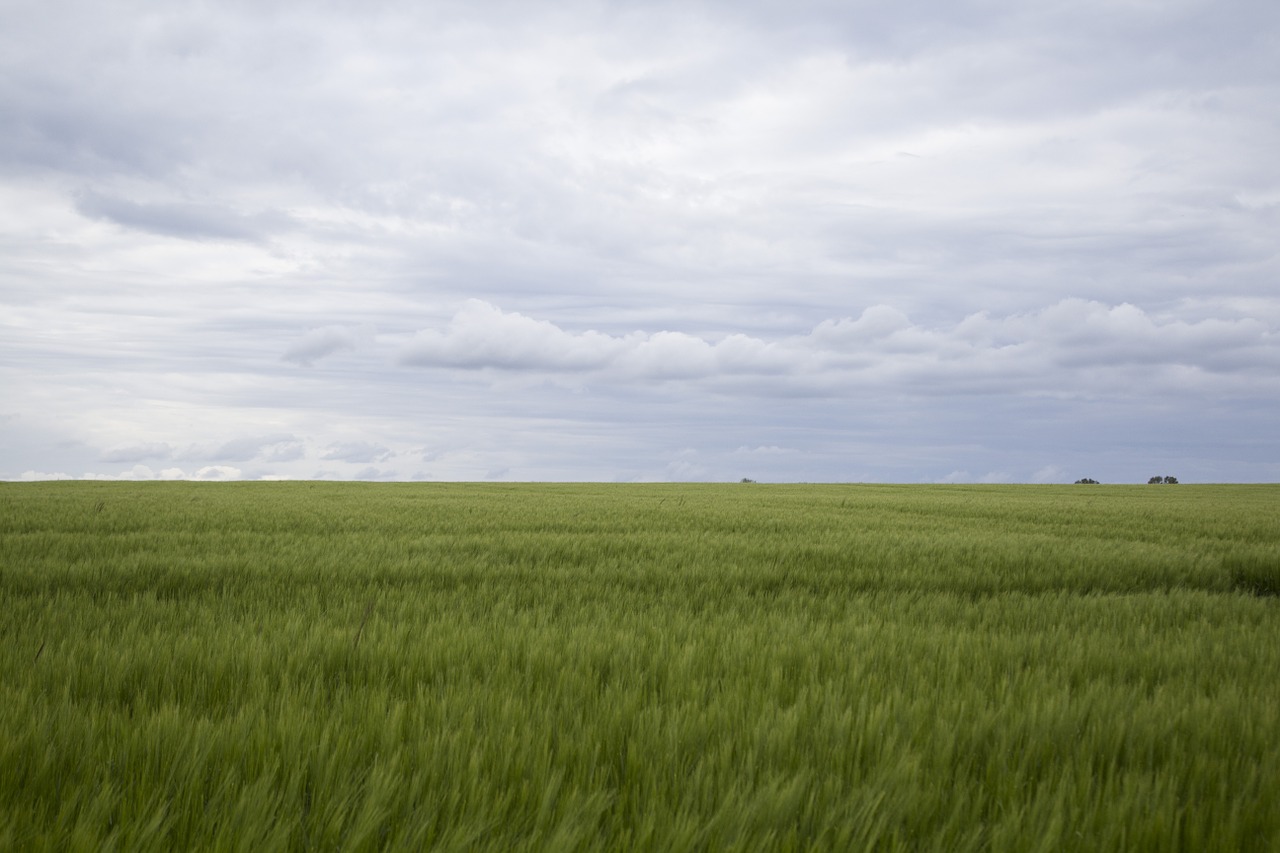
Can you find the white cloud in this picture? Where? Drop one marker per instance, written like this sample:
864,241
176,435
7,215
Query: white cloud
687,466
139,472
1072,347
218,472
771,450
480,336
1050,474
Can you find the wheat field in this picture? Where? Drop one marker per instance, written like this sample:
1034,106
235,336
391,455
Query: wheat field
352,666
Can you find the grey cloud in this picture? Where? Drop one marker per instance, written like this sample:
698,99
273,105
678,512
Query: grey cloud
372,473
254,447
137,452
181,220
321,342
357,451
284,451
60,128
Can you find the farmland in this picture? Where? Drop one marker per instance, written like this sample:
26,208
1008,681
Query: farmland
651,667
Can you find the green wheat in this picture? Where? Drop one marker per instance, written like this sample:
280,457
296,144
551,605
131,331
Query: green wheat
656,667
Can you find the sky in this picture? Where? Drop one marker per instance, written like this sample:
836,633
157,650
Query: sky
918,241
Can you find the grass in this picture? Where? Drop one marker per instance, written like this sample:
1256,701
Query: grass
664,667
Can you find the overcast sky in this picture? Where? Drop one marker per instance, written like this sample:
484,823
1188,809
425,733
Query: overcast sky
811,240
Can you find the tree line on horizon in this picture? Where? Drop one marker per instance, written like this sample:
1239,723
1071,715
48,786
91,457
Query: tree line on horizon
1171,481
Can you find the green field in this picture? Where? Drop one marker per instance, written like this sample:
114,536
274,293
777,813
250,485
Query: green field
353,666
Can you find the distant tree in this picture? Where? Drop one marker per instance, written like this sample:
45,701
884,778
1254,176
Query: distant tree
1172,481
1089,481
746,480
1154,480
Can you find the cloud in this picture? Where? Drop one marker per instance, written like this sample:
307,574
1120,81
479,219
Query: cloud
771,450
269,447
31,476
372,473
357,451
318,343
1073,347
140,472
687,466
137,472
218,472
284,451
897,240
183,220
1050,474
480,335
138,452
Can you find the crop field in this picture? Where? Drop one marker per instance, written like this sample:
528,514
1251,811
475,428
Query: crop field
350,666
